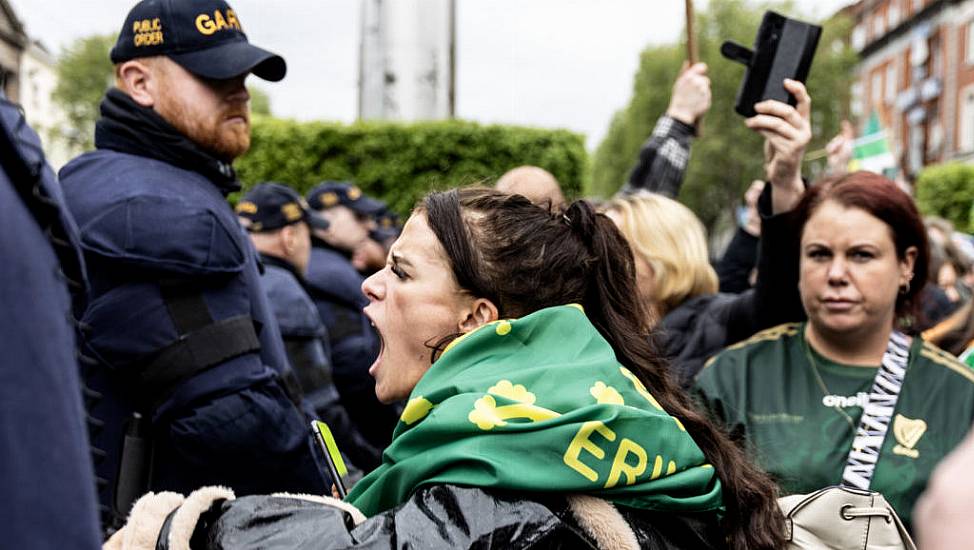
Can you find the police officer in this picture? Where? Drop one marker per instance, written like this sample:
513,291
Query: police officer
279,222
180,328
46,474
336,288
370,255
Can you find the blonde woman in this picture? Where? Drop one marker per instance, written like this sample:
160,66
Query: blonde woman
679,286
674,276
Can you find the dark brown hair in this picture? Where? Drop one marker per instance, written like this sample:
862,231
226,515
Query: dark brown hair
525,258
881,198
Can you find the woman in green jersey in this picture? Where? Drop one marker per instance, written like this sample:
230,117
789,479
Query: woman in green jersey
847,397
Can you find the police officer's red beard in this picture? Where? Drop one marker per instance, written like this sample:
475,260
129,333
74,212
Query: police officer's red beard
224,132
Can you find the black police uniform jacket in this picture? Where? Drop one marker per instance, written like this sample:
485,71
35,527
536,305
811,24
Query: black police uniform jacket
46,475
336,289
309,352
180,328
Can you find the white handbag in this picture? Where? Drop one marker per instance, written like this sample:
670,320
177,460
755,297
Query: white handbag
843,518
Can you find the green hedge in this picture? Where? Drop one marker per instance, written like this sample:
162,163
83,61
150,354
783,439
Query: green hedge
400,163
947,190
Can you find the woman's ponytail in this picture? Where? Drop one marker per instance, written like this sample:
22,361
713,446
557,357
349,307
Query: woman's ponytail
530,258
752,519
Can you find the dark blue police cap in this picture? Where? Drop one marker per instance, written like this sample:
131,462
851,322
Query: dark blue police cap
204,36
387,226
270,206
334,193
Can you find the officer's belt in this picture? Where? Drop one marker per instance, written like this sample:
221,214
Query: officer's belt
202,343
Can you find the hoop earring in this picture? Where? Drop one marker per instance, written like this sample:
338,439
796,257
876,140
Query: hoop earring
905,288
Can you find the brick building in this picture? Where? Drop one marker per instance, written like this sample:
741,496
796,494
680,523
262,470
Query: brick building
916,72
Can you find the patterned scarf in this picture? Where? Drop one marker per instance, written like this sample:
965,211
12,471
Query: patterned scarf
540,404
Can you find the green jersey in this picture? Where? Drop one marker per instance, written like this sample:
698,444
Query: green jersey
798,412
968,356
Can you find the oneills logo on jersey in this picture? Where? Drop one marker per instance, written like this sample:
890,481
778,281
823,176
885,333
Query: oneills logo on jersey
860,399
208,24
147,32
907,432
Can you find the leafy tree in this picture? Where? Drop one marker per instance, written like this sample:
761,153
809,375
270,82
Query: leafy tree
400,163
84,73
728,155
260,102
947,190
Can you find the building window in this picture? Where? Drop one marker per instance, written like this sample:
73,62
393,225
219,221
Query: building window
876,90
859,37
917,6
855,101
892,82
879,26
894,13
966,137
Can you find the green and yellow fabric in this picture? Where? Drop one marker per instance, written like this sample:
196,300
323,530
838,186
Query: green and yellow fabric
540,404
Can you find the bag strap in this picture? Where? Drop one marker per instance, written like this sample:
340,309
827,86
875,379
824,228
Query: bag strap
876,415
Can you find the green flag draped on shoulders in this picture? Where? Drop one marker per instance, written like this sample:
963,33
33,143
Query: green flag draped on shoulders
540,404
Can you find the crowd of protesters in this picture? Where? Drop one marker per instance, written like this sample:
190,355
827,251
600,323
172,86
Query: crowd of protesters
584,370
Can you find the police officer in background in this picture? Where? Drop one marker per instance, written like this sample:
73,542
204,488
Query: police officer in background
279,222
181,331
370,255
336,288
46,475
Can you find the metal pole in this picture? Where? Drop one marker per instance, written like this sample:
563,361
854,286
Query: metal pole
452,93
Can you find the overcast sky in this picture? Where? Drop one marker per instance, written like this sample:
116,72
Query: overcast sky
550,63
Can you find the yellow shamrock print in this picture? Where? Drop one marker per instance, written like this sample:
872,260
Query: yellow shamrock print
606,395
505,388
487,415
416,410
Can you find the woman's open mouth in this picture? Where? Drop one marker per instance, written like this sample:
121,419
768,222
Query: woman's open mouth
382,345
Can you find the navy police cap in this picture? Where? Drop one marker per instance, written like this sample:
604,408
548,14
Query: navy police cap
270,206
204,36
333,193
387,226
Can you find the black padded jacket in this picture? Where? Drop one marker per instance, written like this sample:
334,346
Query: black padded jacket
442,517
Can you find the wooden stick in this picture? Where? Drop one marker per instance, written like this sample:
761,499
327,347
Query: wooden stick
692,55
815,155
